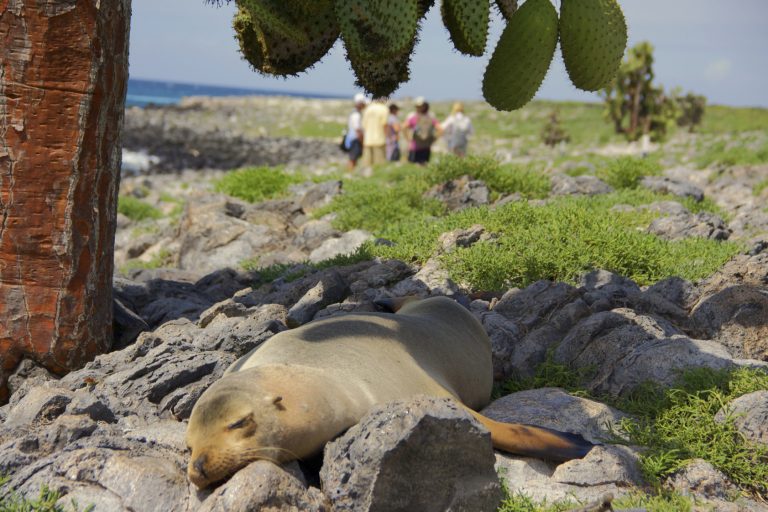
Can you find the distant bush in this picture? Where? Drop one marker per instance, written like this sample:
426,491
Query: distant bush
691,110
136,209
553,132
255,184
626,172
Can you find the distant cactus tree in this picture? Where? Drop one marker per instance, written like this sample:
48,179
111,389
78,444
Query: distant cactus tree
692,108
634,104
553,133
284,38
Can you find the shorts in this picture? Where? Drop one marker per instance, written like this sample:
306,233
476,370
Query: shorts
419,156
355,150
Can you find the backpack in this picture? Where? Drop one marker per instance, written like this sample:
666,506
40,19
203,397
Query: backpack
424,132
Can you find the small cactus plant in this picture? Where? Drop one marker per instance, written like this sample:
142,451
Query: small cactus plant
553,133
285,38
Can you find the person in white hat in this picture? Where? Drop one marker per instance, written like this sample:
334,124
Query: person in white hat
353,140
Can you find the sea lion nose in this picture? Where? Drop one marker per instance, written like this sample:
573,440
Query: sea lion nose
199,465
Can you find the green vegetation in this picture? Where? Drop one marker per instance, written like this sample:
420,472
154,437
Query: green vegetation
45,502
758,188
724,154
559,241
678,424
292,272
163,258
665,502
254,184
136,209
721,120
626,171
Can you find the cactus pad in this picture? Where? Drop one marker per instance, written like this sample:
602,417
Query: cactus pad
467,22
271,49
507,8
377,29
522,57
593,35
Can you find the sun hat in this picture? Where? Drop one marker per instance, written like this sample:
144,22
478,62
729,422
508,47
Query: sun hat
420,101
360,98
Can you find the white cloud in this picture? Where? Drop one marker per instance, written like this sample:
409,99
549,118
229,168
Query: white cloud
718,69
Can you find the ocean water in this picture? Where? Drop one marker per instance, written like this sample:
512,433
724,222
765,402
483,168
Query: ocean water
145,92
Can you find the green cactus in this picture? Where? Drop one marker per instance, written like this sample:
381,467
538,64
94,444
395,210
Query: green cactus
467,22
592,56
506,7
286,37
634,104
271,48
377,29
522,56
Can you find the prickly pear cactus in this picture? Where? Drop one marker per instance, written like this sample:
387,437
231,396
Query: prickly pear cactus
467,22
287,37
506,8
377,29
522,56
591,56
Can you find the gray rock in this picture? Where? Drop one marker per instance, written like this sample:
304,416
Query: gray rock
319,195
39,405
348,243
126,325
264,486
606,469
750,416
563,185
556,409
700,479
425,454
531,306
736,317
703,225
664,185
328,290
505,336
460,193
27,375
627,349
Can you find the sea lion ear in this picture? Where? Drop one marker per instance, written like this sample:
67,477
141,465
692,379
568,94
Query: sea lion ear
273,399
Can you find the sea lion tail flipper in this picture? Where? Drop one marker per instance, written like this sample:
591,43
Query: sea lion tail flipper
393,304
532,441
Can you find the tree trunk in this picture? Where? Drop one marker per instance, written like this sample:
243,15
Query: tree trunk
63,78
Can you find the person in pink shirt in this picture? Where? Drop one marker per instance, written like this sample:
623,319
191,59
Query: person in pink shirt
421,130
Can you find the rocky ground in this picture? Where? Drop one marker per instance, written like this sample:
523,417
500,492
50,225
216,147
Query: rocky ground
112,433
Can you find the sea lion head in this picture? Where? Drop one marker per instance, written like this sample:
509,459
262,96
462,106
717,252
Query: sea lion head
231,425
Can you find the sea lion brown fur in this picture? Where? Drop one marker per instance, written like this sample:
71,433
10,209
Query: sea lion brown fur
301,388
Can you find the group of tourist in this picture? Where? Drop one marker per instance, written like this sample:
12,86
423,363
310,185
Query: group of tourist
374,131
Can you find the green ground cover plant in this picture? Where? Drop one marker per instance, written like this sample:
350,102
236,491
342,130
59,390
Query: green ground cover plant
254,184
721,119
667,502
726,154
758,188
558,241
626,171
676,425
136,209
45,502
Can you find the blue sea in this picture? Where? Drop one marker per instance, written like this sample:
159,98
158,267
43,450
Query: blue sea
145,92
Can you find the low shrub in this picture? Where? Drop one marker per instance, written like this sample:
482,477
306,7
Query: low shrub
136,209
255,184
626,172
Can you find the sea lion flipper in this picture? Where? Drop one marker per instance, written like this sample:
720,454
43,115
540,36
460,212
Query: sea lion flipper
532,441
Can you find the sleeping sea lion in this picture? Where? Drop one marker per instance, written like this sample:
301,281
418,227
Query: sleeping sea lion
301,388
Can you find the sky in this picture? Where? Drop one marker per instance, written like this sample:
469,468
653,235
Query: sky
717,48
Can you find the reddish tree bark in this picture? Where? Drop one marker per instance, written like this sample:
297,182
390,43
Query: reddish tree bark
63,76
